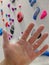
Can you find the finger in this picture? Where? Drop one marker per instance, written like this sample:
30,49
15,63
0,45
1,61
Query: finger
36,34
5,38
27,31
40,41
42,50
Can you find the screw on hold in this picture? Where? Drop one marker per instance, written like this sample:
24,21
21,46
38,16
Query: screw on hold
39,35
10,36
8,5
21,32
8,15
1,31
12,29
20,6
3,19
32,2
7,24
13,1
36,13
20,17
1,12
13,9
10,19
43,15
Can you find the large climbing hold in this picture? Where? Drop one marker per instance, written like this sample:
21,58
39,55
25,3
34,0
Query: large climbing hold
36,13
32,2
1,31
43,15
20,17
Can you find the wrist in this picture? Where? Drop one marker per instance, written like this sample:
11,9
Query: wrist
4,62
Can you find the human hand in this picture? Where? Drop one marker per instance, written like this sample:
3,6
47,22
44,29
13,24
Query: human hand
23,51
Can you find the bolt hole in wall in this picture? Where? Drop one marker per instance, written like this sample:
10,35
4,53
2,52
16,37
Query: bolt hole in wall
15,16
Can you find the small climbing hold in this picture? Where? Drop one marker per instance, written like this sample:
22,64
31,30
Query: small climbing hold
1,12
3,19
39,35
10,19
36,13
7,24
43,15
20,6
12,29
21,32
20,17
10,36
8,5
13,9
8,15
13,1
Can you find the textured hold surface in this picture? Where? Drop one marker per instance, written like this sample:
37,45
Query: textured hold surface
32,2
13,1
12,29
43,15
39,36
36,13
1,31
20,17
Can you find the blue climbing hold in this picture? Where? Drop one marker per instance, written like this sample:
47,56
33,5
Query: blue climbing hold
46,53
1,10
1,31
36,13
10,19
32,2
6,15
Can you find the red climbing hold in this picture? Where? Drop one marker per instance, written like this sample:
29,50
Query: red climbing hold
6,24
20,17
43,15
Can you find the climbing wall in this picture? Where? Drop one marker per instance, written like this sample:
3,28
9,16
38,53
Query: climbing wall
15,16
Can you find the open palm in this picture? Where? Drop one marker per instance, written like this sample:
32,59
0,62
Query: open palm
23,51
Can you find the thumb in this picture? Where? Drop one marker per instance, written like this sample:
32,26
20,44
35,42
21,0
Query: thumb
5,38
